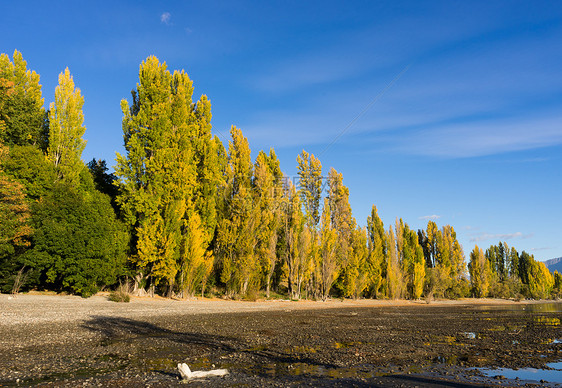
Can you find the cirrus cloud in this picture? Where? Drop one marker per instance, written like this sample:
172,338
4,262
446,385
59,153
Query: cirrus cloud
499,236
432,217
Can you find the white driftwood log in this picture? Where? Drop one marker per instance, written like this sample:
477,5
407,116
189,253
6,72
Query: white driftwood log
187,374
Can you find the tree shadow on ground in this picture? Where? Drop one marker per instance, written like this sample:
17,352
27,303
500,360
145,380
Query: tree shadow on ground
116,330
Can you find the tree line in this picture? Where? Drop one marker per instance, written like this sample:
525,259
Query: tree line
184,215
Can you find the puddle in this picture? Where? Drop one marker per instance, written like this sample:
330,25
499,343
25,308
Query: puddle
469,335
553,375
449,360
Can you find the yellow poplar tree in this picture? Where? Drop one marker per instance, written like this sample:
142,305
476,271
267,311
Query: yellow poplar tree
394,276
310,191
237,238
21,104
479,269
297,241
66,128
158,172
541,280
344,224
208,157
413,262
328,260
197,262
268,190
357,282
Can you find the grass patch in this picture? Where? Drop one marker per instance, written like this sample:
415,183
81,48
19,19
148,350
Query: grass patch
121,294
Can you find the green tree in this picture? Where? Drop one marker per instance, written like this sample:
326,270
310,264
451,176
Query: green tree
66,128
377,260
79,245
513,263
28,165
158,174
557,286
21,104
432,241
103,181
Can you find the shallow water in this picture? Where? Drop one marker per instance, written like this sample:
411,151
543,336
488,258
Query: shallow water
551,307
553,375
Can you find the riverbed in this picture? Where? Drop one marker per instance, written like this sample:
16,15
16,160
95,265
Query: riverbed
52,340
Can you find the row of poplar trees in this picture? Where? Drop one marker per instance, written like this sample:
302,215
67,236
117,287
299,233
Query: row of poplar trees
183,215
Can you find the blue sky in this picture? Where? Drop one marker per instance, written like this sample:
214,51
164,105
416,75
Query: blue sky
447,110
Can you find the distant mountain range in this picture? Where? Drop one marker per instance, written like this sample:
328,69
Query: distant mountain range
554,264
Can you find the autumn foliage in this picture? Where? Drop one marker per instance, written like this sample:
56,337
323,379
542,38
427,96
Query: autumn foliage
185,215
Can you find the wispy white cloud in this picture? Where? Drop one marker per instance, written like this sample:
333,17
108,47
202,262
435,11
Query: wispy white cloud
432,217
450,104
508,236
410,133
540,249
285,128
165,18
306,72
357,52
483,138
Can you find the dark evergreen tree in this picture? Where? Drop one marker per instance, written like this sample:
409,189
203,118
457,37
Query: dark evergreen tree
104,182
78,245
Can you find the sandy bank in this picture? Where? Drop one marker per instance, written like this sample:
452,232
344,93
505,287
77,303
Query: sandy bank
37,308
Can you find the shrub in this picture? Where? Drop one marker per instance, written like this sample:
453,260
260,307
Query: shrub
121,294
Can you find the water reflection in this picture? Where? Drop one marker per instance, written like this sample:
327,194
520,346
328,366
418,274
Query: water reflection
550,307
553,375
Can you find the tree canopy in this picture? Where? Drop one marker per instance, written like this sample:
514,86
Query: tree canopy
183,215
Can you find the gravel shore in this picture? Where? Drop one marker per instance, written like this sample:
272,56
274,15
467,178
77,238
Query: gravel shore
37,308
53,340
